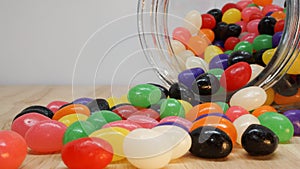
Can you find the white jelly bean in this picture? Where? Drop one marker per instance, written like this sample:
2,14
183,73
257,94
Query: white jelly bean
177,46
193,62
193,21
256,70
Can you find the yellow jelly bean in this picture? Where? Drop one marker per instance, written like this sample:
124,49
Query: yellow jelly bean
71,118
270,96
295,68
267,55
112,101
123,99
115,136
211,51
186,105
232,15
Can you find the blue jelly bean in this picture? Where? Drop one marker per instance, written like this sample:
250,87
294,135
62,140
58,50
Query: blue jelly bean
83,100
276,39
219,61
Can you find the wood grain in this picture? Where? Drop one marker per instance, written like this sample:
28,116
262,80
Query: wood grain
15,98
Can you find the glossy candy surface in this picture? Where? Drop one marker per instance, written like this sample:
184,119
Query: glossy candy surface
197,44
294,117
219,61
82,100
92,153
144,95
144,121
187,76
72,118
98,119
36,109
202,109
125,111
13,149
71,109
171,107
261,110
179,91
182,34
176,119
55,105
148,112
210,142
235,112
192,21
206,84
129,125
46,136
97,105
258,140
78,129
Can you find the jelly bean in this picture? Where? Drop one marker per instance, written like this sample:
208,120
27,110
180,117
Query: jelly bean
23,123
208,33
221,32
171,107
251,5
187,77
77,154
13,149
242,123
179,139
177,47
155,107
164,91
78,129
217,13
243,4
196,62
143,95
279,26
286,86
125,111
279,124
179,91
258,140
243,25
120,105
235,112
258,57
263,109
97,105
173,124
99,119
147,112
294,69
115,136
244,46
249,37
179,120
262,42
232,16
236,76
231,42
35,109
201,109
193,21
223,105
256,16
256,70
270,96
206,84
186,105
71,118
83,100
233,30
210,142
182,34
216,72
218,122
208,21
212,51
228,6
112,101
219,44
271,8
71,109
252,26
65,105
247,12
128,125
228,52
294,117
144,121
279,99
197,44
183,56
266,25
249,98
268,55
263,2
276,39
212,114
55,105
278,15
46,136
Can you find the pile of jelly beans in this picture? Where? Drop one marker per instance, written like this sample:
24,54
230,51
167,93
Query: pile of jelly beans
149,126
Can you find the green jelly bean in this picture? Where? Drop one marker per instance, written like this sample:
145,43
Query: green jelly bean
223,105
217,72
100,118
78,129
144,95
262,42
171,107
279,124
228,52
244,46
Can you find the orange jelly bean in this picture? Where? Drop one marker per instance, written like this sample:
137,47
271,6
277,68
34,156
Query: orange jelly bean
208,33
71,109
279,99
270,96
278,15
197,44
262,2
261,110
218,122
201,109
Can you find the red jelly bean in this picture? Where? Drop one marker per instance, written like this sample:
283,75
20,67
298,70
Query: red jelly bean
46,136
243,25
252,26
55,105
129,125
231,42
148,112
256,16
23,123
182,34
229,6
271,8
235,112
13,149
249,37
247,12
125,111
243,4
208,21
236,76
279,26
92,153
144,121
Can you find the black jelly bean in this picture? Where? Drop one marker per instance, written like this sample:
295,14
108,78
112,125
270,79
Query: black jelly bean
206,84
258,57
286,86
220,31
181,92
240,56
119,105
217,13
36,109
266,25
98,104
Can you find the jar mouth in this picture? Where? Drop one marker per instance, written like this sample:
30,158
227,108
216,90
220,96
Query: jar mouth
153,21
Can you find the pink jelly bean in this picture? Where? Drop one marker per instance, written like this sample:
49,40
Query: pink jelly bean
25,122
252,26
144,121
271,8
148,112
46,136
249,37
125,111
243,25
243,4
182,34
247,12
235,112
129,125
186,123
55,105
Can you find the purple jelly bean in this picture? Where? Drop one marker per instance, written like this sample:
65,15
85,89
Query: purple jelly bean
276,39
219,43
294,117
187,77
83,100
212,114
269,13
219,61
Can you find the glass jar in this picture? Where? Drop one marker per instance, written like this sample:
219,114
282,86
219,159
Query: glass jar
158,18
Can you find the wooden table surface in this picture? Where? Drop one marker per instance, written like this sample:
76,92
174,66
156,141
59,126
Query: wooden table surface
15,98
